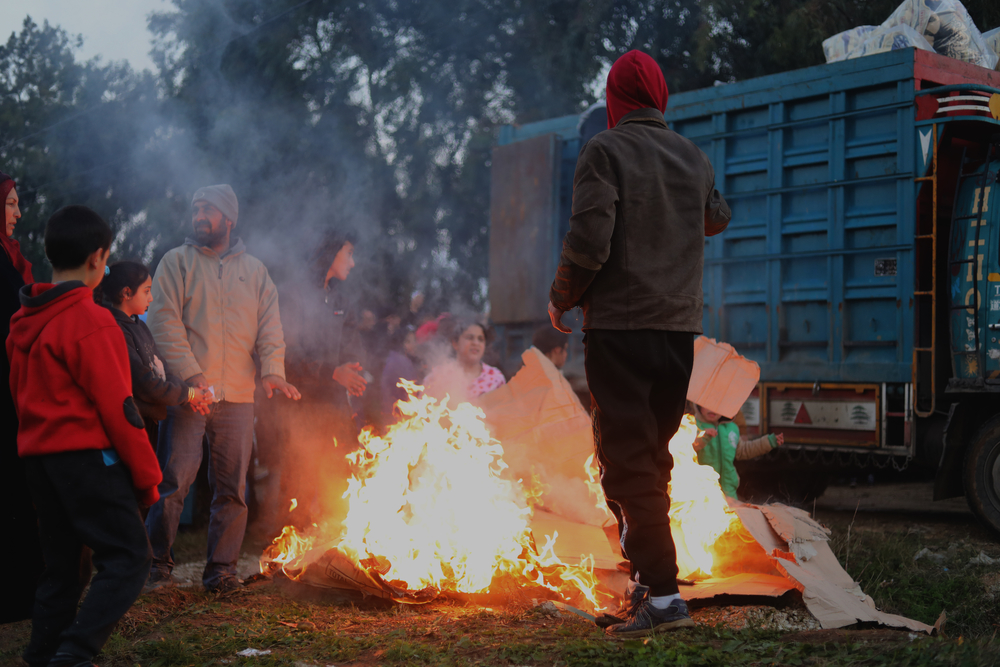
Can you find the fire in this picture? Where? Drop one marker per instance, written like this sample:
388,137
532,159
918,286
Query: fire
594,485
433,508
699,511
430,503
287,551
429,496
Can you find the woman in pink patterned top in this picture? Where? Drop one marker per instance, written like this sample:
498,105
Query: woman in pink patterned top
466,376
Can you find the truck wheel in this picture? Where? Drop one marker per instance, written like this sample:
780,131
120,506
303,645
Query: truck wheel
982,474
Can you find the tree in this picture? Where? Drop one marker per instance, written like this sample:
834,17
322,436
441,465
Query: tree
70,131
379,114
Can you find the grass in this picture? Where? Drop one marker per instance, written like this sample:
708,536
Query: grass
189,628
882,561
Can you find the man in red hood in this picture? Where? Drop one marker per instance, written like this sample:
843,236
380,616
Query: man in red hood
644,199
87,459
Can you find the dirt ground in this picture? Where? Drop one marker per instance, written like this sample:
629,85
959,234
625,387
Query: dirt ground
905,499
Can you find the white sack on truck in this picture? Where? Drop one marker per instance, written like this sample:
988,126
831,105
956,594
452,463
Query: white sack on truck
883,39
942,26
992,39
867,40
840,46
947,27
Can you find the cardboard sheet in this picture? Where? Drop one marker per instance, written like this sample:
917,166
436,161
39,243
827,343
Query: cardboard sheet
721,379
546,433
574,540
747,584
539,420
808,563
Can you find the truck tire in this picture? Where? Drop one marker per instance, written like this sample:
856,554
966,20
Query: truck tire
982,474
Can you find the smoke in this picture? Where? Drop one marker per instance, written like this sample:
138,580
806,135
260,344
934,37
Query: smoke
304,132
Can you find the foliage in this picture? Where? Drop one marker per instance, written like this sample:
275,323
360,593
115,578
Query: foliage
68,133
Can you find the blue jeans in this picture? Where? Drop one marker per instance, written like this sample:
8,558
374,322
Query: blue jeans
229,427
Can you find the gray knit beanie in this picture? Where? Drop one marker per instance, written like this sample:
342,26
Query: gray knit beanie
221,197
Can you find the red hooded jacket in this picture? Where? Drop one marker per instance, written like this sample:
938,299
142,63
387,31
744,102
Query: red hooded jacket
635,82
70,377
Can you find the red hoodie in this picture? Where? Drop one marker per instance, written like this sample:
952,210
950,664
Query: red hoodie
635,82
69,374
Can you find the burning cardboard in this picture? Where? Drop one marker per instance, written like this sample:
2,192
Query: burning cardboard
434,510
721,379
548,436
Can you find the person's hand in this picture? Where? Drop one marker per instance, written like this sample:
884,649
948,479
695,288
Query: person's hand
779,439
702,440
556,316
202,402
272,383
349,376
198,381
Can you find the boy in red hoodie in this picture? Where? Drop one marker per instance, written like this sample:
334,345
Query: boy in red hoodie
88,461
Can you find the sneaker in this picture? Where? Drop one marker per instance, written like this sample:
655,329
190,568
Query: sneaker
225,585
648,620
159,579
630,602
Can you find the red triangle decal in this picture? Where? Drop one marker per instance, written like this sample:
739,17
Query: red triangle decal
803,416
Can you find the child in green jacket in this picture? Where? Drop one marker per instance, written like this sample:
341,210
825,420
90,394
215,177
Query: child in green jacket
721,445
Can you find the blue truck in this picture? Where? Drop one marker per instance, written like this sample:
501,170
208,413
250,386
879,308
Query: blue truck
861,268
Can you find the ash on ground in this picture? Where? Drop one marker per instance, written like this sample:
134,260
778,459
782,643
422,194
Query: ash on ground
189,574
756,617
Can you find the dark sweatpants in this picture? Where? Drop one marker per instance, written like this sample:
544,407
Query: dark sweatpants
638,381
80,500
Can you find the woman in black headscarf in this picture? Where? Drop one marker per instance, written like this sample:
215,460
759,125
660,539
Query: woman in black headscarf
22,564
324,354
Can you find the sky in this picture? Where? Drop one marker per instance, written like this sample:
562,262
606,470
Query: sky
113,29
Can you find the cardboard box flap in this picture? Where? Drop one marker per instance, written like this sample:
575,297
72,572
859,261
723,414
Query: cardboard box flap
721,379
749,584
545,432
574,540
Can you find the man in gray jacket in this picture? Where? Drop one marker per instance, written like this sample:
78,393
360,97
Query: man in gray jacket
644,199
213,307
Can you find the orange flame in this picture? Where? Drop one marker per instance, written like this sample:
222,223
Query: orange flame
286,553
699,511
594,485
430,502
534,490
